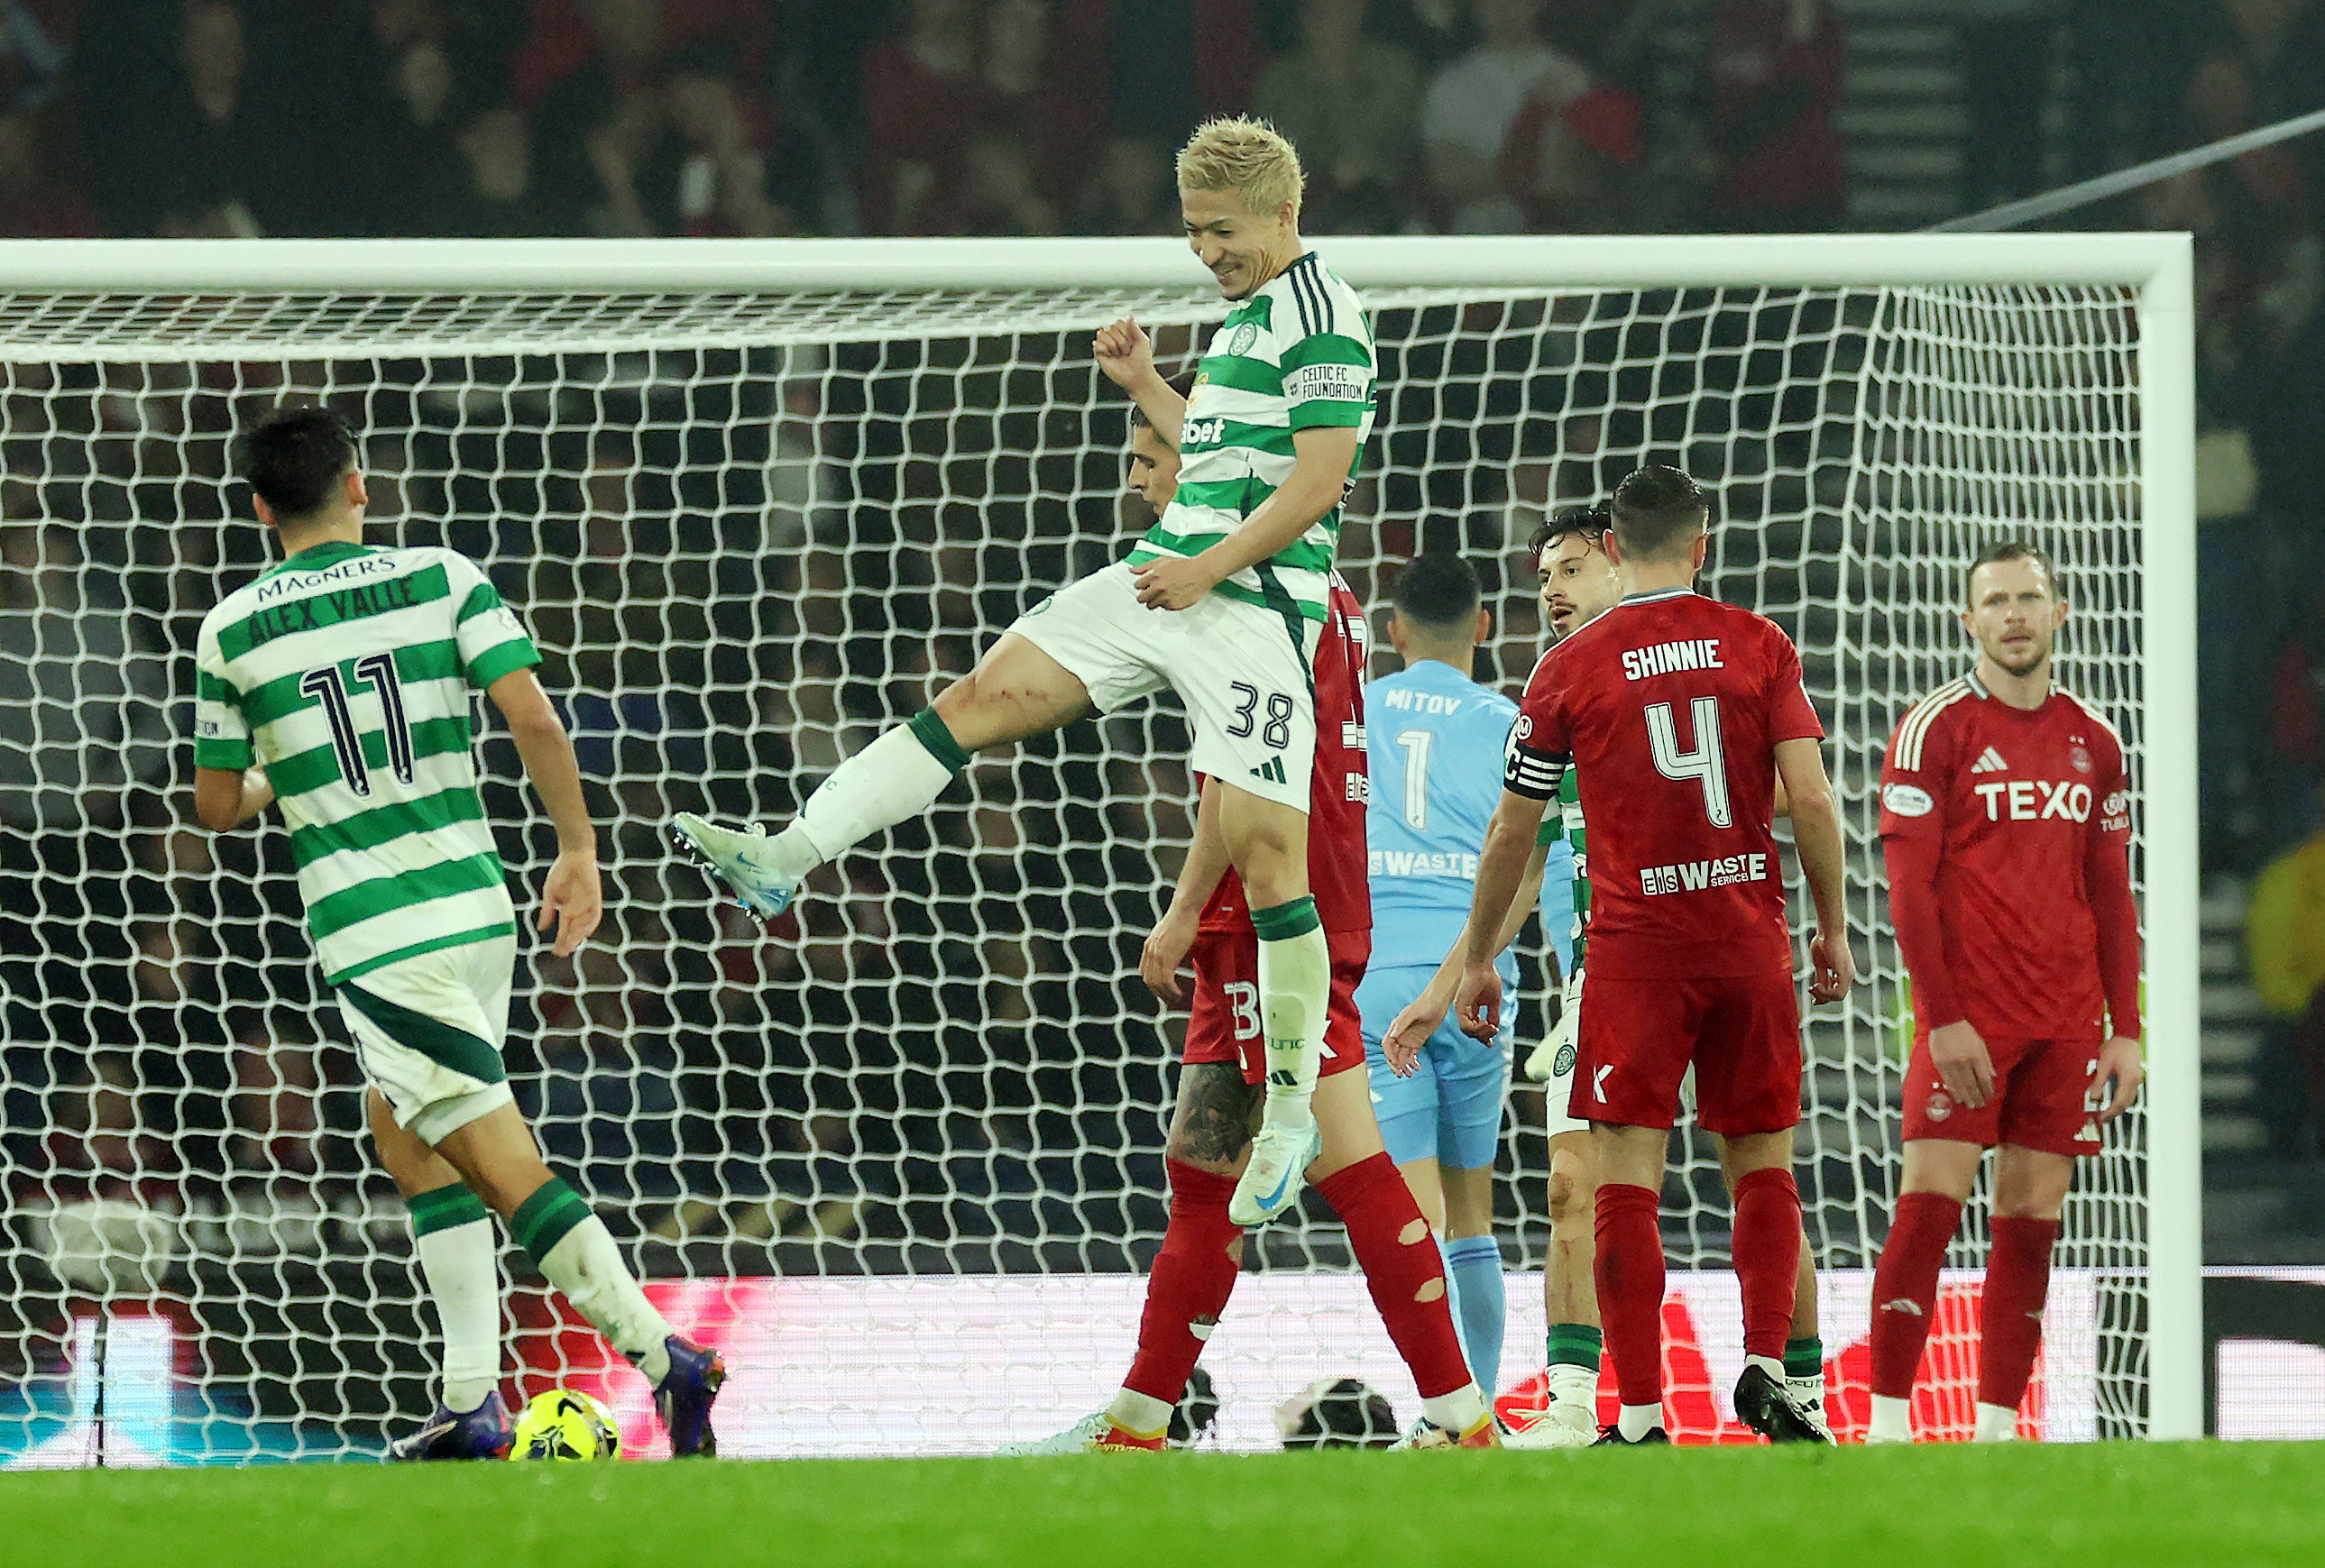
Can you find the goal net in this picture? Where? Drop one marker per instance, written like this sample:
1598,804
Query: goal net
901,1153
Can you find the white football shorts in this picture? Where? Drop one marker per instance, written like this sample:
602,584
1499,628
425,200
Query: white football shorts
428,1032
1244,672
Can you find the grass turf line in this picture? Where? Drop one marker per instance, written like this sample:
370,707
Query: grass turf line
2062,1507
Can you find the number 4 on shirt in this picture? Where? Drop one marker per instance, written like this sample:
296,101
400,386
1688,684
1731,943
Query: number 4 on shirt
1706,764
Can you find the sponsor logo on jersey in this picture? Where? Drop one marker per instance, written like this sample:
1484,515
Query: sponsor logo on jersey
1202,432
1413,862
1664,658
1352,735
1360,787
1907,800
2036,800
1989,762
1599,1083
304,580
2115,813
1694,876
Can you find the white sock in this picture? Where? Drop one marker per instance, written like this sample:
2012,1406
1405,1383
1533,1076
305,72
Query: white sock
896,777
1809,1391
1772,1365
588,1269
1892,1420
464,1279
1996,1424
1573,1384
1295,983
1637,1420
1458,1411
1138,1412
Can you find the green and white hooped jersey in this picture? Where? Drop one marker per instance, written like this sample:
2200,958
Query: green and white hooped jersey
345,673
1298,355
1567,825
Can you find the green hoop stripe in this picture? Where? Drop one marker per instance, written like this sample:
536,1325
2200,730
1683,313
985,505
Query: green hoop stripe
543,1220
444,1208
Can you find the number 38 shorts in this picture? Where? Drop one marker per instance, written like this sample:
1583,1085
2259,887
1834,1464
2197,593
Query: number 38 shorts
428,1032
1637,1038
1243,670
1223,1025
2045,1097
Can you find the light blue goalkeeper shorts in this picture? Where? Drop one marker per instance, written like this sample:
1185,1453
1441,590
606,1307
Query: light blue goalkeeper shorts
1450,1109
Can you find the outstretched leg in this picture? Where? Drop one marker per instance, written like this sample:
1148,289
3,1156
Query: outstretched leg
1017,691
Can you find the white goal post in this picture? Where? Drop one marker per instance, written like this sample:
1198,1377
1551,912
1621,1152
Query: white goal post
1908,397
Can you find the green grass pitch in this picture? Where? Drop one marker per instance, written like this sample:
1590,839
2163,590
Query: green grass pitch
2119,1505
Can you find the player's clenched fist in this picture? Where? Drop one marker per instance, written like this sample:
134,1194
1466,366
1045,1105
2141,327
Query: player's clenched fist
1124,353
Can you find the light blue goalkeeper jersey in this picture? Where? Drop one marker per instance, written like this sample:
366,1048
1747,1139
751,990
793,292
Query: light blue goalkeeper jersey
1433,741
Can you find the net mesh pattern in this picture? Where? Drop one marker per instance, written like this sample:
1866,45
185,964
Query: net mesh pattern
751,531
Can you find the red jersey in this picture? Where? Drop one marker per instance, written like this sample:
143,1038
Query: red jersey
1337,784
1671,705
2020,821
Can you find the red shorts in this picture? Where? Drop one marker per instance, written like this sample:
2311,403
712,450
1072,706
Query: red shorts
1638,1036
1224,1023
2041,1099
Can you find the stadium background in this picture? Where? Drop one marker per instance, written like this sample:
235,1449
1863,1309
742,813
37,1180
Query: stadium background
718,116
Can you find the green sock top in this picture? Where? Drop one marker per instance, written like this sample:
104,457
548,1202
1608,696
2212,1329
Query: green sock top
1804,1357
932,733
1282,922
1574,1344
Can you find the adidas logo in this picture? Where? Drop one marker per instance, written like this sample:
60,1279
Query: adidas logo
1989,762
1271,770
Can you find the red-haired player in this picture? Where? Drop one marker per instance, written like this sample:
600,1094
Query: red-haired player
2005,818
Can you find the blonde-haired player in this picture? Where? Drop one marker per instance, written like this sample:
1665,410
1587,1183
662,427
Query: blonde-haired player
1222,601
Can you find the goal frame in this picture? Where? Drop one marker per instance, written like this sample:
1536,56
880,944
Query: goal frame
2159,266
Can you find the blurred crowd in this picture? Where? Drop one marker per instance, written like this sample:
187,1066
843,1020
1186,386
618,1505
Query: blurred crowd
499,117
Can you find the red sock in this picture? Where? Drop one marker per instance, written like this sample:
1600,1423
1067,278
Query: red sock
2010,1313
1404,1267
1905,1288
1629,1271
1767,1253
1187,1287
